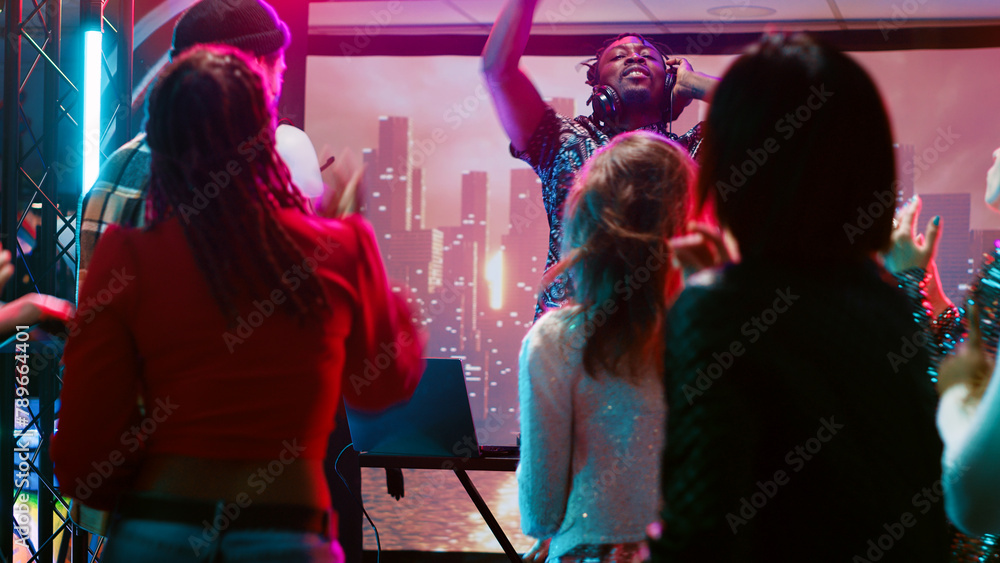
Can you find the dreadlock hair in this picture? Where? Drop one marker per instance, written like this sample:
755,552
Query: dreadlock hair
629,199
211,130
594,71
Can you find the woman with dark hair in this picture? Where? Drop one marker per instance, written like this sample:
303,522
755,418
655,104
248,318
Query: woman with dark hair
215,344
801,420
590,381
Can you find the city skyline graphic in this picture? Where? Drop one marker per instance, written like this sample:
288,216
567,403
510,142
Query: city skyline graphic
475,300
461,226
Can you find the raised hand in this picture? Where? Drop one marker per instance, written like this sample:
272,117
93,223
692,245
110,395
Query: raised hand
6,267
518,103
703,247
690,84
993,182
34,308
343,192
908,249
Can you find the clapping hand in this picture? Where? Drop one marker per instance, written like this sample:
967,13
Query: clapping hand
343,193
6,268
993,182
702,248
29,309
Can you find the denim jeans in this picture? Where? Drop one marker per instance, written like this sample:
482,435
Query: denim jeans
151,541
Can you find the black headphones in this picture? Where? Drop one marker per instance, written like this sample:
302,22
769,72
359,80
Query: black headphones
607,103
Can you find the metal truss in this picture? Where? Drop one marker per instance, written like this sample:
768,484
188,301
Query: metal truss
40,187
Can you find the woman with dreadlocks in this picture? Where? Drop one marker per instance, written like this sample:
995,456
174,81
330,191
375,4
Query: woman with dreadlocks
215,345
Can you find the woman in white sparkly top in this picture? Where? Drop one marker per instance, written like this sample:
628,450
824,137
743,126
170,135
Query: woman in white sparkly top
590,382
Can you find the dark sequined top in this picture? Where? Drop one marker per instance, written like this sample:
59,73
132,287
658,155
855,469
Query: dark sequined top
949,330
949,327
557,150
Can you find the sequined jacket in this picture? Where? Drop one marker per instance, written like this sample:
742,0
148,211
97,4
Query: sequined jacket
557,150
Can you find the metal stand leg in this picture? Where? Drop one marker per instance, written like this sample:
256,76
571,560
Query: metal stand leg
484,510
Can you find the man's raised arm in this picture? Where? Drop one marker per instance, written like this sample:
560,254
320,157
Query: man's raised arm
516,99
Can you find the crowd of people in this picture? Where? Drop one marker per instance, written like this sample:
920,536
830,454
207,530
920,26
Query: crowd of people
742,398
792,433
224,309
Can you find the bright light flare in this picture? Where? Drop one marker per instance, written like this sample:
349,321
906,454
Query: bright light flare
494,276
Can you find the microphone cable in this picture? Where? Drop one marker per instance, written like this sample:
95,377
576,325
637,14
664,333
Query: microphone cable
357,498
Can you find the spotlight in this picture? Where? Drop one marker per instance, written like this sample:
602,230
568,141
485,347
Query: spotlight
92,25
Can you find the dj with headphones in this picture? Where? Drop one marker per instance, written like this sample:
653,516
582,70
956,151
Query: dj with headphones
636,85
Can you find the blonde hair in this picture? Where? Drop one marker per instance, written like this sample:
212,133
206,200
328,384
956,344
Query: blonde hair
631,197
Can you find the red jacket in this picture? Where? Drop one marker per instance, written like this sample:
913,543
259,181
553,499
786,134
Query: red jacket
147,327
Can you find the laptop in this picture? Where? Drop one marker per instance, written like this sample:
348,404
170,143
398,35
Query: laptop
435,422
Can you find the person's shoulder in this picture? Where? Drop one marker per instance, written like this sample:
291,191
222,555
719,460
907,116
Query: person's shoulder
118,244
292,137
557,122
554,330
296,148
696,131
585,124
549,348
299,154
135,147
137,143
124,175
556,320
120,234
554,133
146,239
692,139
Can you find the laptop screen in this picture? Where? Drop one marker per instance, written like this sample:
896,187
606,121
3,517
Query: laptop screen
436,421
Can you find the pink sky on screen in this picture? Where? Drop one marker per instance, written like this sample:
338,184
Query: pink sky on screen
927,92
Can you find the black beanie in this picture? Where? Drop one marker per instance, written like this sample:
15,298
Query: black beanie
248,25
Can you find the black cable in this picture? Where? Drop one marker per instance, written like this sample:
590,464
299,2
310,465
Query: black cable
670,124
357,498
